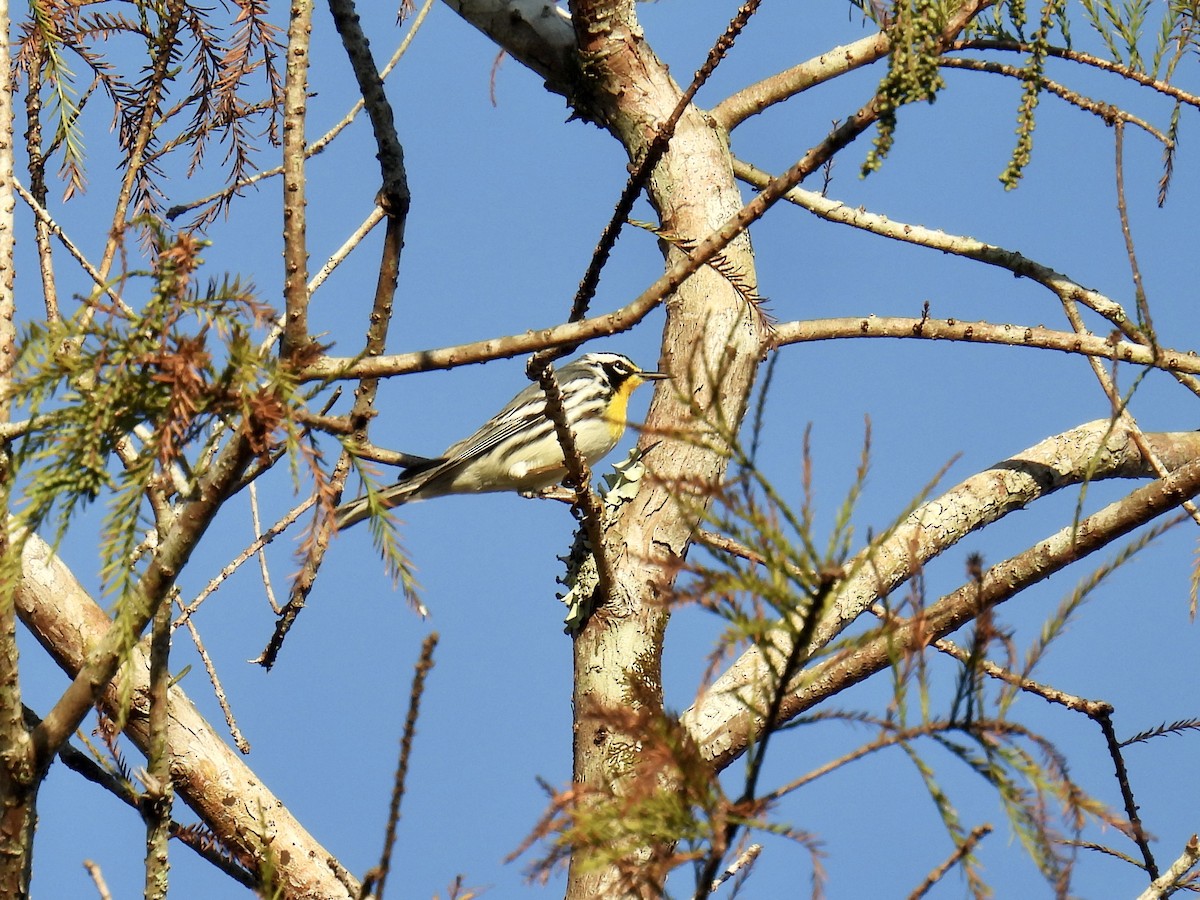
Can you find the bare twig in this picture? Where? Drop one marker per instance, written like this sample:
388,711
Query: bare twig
1106,111
295,342
52,227
254,547
1107,65
214,679
97,876
1090,708
263,569
1139,291
1036,337
978,833
1161,887
970,248
373,218
742,864
378,876
1103,718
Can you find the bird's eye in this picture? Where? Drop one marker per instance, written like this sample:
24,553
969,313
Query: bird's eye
617,371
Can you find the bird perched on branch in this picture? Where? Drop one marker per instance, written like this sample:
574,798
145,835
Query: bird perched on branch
518,449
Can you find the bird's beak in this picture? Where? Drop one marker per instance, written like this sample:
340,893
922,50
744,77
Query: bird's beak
653,376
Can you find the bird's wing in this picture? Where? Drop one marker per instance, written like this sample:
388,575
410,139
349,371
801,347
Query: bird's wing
524,409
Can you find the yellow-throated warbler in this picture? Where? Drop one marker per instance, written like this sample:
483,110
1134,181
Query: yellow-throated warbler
518,449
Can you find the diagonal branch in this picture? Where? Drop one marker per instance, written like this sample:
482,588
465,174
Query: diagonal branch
1107,111
173,552
720,721
961,245
209,775
998,584
1087,59
756,98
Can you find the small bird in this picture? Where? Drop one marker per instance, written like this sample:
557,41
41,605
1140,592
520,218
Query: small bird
517,449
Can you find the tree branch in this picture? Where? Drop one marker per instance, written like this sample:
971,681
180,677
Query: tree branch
960,245
296,340
998,584
209,775
1009,335
756,98
138,607
720,721
1106,111
1086,59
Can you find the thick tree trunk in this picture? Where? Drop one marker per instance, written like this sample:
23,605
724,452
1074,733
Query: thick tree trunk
710,326
612,77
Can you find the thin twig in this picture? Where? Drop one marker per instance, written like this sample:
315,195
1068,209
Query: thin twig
1163,886
214,679
978,833
97,876
1036,337
1090,708
1137,832
254,547
55,229
1139,291
378,876
1087,59
1108,112
263,569
741,864
339,256
960,245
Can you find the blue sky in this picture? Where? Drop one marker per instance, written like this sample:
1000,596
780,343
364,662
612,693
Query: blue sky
508,201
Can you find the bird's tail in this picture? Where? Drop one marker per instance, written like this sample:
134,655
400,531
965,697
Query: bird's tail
410,484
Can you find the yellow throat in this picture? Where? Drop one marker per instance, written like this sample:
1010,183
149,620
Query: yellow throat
618,407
